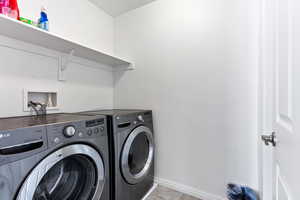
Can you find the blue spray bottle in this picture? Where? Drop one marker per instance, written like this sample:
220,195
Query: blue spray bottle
43,21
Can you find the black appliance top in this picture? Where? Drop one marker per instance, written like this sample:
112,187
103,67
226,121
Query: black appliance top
113,112
12,123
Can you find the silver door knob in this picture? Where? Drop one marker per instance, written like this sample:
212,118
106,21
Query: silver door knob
270,139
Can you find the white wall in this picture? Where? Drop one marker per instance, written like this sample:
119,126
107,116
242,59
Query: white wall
243,51
196,66
77,20
89,85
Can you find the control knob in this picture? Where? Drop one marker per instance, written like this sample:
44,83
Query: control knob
69,131
141,118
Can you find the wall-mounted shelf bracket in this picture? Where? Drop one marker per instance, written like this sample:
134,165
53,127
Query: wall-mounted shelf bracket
126,67
131,67
63,65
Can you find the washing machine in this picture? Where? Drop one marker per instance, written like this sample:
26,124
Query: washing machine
54,157
132,149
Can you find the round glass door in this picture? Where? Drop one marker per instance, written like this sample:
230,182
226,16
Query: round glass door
137,155
72,173
72,178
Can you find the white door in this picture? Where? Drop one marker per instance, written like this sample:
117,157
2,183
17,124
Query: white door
281,98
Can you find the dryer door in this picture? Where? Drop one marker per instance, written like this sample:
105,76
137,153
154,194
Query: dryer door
137,155
74,172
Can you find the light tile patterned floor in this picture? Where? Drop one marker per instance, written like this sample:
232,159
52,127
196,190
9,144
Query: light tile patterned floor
163,193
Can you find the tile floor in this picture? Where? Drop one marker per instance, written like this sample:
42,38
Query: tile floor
163,193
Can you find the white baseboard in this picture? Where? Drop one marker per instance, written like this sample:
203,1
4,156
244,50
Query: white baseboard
187,190
150,191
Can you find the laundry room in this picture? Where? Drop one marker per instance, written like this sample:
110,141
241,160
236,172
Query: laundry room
149,100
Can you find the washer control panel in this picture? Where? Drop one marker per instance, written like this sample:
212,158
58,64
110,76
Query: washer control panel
95,127
67,132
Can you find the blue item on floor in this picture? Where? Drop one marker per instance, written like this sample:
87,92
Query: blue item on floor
238,192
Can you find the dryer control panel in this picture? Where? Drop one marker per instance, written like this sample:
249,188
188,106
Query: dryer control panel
125,121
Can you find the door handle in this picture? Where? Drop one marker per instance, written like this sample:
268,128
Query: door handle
21,148
270,139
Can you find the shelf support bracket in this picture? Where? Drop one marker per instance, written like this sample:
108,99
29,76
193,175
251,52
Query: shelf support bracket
128,67
63,65
131,66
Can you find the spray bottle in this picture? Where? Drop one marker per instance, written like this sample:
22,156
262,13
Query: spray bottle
43,21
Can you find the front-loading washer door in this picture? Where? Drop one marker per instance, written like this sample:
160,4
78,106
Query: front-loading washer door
74,172
137,155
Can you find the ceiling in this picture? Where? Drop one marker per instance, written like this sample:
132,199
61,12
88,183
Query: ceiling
118,7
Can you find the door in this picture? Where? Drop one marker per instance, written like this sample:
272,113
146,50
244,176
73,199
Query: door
281,99
72,173
137,155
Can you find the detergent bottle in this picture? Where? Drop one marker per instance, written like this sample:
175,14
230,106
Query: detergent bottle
14,9
1,5
4,5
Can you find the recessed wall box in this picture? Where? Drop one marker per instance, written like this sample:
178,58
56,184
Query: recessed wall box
48,97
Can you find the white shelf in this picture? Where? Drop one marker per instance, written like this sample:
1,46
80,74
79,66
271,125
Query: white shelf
27,33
